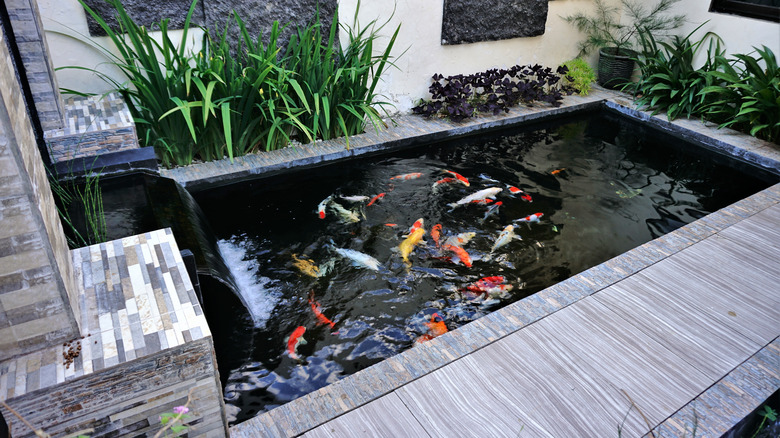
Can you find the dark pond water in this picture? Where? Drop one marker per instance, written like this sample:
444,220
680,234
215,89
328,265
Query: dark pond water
603,186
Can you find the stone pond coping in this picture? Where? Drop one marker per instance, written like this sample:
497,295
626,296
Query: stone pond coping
136,299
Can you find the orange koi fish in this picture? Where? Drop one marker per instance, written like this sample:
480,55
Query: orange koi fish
296,338
482,201
523,195
376,198
436,234
436,327
557,171
495,285
408,176
391,225
315,307
460,254
463,180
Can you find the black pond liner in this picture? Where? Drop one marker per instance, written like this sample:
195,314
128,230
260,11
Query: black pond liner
261,210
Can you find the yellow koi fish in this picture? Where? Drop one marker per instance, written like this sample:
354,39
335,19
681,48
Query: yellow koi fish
306,266
407,246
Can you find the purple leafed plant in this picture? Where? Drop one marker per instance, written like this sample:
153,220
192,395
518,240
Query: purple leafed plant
461,96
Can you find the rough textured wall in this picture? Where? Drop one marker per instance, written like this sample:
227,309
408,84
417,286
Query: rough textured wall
28,30
470,21
38,293
127,400
258,15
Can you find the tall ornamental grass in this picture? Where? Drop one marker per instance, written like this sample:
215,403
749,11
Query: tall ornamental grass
230,101
338,83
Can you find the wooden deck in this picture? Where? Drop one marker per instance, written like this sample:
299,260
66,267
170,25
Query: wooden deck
656,340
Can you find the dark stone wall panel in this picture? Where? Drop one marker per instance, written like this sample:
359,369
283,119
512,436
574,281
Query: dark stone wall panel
258,15
470,21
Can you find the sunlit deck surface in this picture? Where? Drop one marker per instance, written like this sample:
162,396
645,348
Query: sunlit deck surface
679,333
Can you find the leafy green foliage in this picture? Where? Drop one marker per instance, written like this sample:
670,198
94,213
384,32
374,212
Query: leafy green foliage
462,96
669,81
605,28
337,85
746,96
227,101
580,75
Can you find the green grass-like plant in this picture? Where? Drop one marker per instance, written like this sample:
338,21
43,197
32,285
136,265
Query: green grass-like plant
669,82
580,76
745,95
337,85
87,199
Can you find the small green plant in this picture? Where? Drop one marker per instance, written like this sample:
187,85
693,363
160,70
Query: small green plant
580,76
767,414
669,82
745,95
87,199
173,422
606,29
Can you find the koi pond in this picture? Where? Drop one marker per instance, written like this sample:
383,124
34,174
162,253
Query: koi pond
345,265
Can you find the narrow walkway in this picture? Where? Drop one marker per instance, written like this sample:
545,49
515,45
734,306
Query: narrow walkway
692,324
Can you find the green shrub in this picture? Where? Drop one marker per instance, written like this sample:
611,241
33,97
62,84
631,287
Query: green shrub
580,75
746,96
668,81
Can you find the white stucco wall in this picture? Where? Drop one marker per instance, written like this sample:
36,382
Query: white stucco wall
65,25
420,38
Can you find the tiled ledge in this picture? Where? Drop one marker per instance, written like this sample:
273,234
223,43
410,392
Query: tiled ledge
136,300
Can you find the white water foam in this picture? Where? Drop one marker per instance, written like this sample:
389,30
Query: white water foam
253,288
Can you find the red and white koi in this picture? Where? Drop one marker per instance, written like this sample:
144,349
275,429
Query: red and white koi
530,218
489,193
439,183
296,339
482,201
417,224
461,239
523,195
376,198
506,236
408,176
436,234
316,308
490,286
460,254
462,179
321,207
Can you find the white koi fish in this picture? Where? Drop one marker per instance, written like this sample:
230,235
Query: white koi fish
505,237
358,258
355,198
346,215
489,193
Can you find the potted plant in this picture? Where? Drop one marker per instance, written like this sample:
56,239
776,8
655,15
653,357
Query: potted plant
615,38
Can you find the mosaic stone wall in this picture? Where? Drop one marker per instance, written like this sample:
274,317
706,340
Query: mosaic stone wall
38,294
93,125
471,21
145,344
28,30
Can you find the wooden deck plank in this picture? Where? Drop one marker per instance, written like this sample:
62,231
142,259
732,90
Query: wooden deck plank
658,381
384,417
706,343
456,402
565,400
